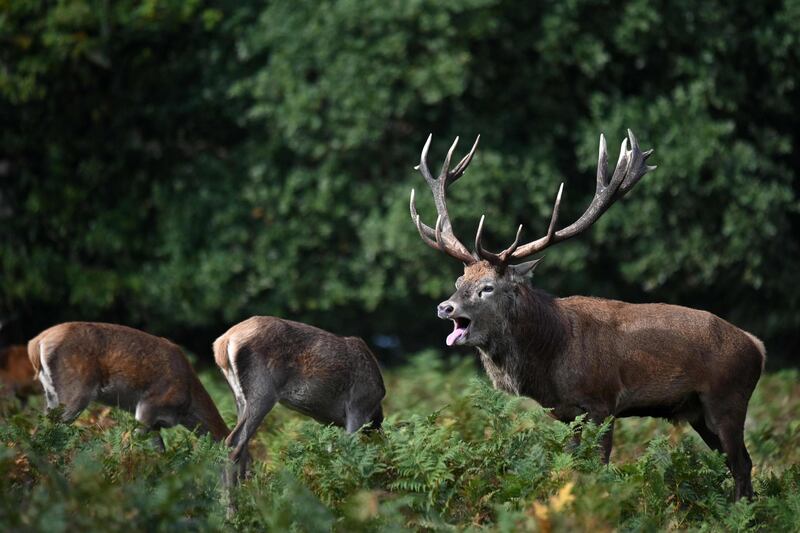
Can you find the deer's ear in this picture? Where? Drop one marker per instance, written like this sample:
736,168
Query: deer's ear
525,269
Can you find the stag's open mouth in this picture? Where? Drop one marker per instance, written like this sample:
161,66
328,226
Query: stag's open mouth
460,330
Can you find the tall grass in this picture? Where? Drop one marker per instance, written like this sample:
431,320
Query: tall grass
454,454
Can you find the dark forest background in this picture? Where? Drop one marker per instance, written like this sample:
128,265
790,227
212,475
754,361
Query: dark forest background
179,166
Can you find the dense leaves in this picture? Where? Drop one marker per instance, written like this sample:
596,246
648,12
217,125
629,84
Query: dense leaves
181,165
454,453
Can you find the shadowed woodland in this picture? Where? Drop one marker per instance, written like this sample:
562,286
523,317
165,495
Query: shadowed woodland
181,166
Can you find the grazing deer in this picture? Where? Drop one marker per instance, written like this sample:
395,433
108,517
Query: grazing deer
335,380
16,373
592,356
81,362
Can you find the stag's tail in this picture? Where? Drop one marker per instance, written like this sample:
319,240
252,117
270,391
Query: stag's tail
760,346
35,356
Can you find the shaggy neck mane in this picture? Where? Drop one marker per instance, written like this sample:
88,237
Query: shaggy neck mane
519,353
536,323
533,328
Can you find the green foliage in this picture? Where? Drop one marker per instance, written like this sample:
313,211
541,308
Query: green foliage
453,453
179,166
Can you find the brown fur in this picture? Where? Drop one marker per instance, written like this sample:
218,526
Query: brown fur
221,353
605,358
125,367
16,373
335,380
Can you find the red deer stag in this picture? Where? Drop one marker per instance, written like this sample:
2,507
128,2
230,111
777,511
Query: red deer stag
335,380
16,373
581,355
80,362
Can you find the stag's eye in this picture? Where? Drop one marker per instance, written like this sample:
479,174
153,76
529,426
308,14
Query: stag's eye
486,290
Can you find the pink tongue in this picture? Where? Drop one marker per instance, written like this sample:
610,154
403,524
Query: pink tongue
455,335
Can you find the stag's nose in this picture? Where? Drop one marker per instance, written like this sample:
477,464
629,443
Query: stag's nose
446,309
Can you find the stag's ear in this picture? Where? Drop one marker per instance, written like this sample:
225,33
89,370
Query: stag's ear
525,269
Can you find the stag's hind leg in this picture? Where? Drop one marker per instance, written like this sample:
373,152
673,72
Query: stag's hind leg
732,439
724,418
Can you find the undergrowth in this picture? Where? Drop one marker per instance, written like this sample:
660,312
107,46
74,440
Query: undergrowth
453,454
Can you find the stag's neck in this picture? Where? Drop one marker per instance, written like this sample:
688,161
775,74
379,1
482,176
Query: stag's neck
518,358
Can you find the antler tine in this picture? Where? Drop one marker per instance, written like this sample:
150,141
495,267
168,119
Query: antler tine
629,170
499,258
462,165
637,168
426,232
506,254
423,161
602,164
439,242
479,235
430,242
551,229
446,165
622,163
441,237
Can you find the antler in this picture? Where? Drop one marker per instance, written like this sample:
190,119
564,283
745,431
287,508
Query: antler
629,170
442,237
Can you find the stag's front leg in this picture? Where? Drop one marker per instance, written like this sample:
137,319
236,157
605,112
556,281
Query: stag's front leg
606,442
607,439
598,414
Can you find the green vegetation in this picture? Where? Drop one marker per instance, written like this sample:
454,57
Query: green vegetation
180,165
454,454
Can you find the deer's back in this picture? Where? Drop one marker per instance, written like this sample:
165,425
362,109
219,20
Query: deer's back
298,356
111,353
285,342
660,350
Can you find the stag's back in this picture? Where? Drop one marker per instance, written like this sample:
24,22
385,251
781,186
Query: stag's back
662,347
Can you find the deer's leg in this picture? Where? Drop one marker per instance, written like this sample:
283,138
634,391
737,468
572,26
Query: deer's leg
576,440
598,416
731,436
148,416
732,439
51,400
606,442
708,436
725,417
74,390
255,409
155,438
64,384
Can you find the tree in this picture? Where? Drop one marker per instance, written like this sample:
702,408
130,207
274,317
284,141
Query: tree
259,158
